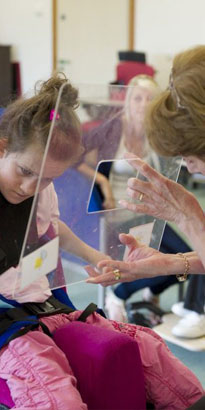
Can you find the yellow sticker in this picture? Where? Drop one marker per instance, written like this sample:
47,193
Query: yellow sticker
38,263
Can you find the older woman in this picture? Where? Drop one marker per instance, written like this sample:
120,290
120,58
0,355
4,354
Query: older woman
175,125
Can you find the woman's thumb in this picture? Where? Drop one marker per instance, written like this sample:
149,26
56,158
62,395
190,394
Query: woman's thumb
128,240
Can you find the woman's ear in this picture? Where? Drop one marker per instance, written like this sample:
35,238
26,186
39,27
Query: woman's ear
3,146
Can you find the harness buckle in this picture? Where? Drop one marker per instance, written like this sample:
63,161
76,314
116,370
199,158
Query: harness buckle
46,308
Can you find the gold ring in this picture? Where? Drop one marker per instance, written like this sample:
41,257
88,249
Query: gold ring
141,197
117,274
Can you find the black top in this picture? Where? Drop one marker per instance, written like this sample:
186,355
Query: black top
13,223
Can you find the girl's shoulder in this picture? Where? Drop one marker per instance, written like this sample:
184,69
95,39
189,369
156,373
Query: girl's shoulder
47,210
48,194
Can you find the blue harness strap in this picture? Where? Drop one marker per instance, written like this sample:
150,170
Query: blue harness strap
63,297
20,319
16,322
59,294
7,302
14,328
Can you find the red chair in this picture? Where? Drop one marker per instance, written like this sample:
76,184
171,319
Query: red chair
129,69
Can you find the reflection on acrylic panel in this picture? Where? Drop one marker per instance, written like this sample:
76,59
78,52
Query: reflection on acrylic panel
117,173
89,190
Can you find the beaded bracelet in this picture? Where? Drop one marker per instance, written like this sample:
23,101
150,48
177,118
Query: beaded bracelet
183,276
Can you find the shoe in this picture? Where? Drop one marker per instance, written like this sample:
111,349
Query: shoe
179,310
148,296
190,327
115,308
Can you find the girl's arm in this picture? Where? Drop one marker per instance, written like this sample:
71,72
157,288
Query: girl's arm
74,245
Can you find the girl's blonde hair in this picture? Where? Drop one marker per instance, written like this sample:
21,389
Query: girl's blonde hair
175,120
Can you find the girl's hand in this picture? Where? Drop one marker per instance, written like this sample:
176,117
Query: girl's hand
95,258
162,198
141,262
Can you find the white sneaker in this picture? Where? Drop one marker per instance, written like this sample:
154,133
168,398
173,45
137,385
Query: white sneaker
115,308
179,310
148,296
190,327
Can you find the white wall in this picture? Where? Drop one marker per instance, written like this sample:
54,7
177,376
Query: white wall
165,27
27,26
96,30
90,33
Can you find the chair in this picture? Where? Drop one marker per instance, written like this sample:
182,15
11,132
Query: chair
126,70
131,63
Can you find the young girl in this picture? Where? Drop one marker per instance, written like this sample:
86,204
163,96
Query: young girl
36,370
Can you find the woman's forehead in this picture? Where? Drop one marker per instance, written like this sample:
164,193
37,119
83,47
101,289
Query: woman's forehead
139,90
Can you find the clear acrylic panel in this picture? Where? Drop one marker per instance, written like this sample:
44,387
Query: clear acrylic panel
88,192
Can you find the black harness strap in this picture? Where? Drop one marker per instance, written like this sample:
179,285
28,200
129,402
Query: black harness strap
11,316
50,307
26,329
91,308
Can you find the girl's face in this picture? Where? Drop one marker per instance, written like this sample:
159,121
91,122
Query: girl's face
195,164
139,99
19,173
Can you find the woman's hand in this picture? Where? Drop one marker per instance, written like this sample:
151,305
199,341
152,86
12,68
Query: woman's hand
95,259
162,198
141,262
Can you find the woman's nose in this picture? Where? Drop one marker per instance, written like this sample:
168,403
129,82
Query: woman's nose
143,103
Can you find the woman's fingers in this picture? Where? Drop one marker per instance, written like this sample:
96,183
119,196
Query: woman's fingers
91,271
112,265
136,187
154,188
157,196
108,269
157,185
126,272
142,209
146,170
106,278
129,240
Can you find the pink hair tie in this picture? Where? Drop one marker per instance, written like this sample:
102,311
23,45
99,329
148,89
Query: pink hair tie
52,113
